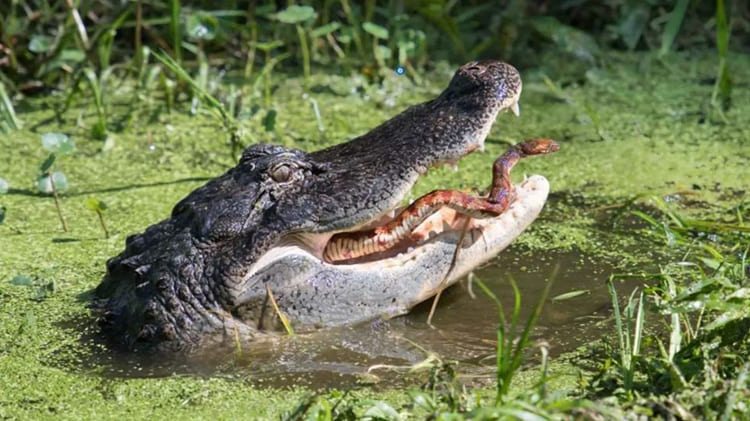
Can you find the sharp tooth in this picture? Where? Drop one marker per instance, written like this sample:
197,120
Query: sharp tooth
516,109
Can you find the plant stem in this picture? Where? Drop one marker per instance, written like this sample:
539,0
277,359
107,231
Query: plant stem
305,52
250,60
722,90
174,27
354,22
79,24
101,222
137,41
57,201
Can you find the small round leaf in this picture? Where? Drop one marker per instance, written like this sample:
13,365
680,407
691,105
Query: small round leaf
202,26
58,143
95,204
375,30
325,29
296,14
22,280
45,185
41,44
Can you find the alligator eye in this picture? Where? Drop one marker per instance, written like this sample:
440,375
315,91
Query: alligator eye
281,173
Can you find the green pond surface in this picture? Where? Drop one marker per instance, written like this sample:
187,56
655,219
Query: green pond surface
635,128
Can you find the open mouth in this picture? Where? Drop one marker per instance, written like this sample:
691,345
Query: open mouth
397,235
385,238
394,236
481,237
434,213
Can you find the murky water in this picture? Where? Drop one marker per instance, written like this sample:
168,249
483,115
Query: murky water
464,331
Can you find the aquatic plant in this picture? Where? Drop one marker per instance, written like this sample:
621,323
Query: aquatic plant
216,106
64,37
297,16
54,182
97,206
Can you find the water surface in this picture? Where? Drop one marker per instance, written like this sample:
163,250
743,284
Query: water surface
464,330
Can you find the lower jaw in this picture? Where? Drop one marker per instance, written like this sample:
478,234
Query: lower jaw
480,239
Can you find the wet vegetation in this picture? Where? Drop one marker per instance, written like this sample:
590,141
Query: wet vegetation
111,112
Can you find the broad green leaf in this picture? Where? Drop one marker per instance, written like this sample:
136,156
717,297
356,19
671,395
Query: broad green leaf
202,26
47,164
45,186
41,44
58,143
325,29
3,186
296,14
375,30
381,411
22,280
95,204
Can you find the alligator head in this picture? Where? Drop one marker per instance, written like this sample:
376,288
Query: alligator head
248,246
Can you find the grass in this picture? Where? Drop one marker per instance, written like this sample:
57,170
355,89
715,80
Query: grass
510,349
629,329
140,184
8,119
681,341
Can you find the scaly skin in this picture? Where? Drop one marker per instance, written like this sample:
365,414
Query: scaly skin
202,276
354,245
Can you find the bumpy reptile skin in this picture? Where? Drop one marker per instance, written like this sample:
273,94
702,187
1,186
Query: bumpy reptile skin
192,279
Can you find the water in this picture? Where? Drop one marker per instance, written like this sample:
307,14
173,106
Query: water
464,331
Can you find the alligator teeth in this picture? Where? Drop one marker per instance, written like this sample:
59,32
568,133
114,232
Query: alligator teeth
516,109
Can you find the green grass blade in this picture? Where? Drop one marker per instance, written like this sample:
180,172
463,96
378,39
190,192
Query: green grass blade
523,341
175,29
7,112
183,75
673,26
100,130
617,314
723,89
638,328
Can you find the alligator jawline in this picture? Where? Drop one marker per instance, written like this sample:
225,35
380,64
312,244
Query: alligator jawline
442,223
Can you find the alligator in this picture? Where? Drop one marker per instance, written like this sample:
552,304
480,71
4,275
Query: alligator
311,240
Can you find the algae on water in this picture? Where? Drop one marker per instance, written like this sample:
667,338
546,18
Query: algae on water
626,134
